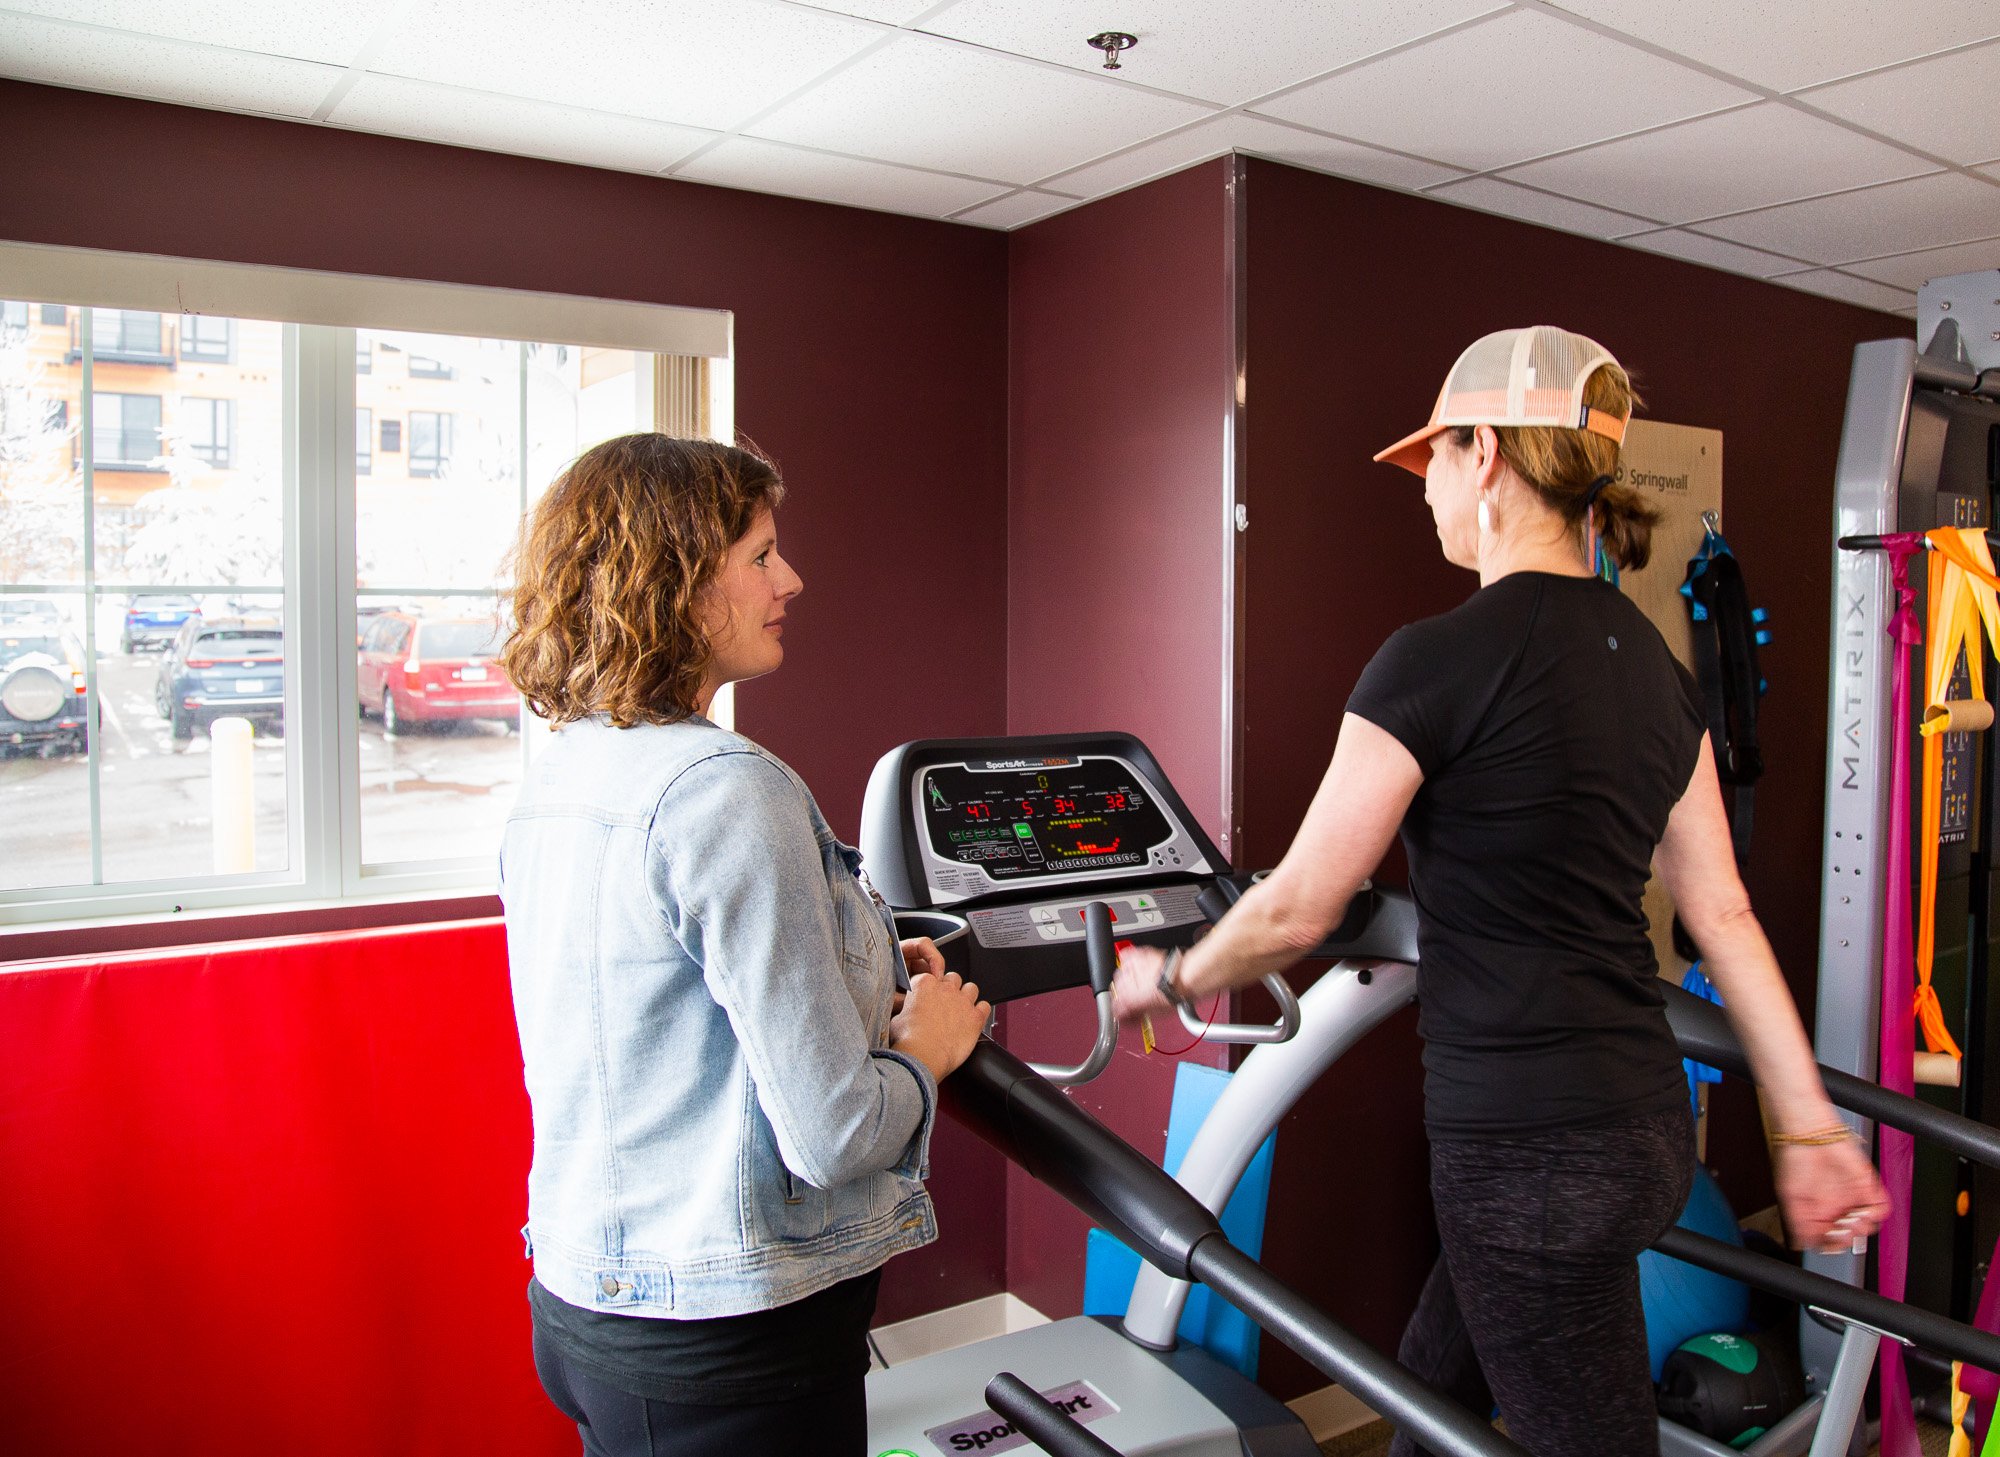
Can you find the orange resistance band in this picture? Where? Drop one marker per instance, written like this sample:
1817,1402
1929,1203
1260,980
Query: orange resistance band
1961,602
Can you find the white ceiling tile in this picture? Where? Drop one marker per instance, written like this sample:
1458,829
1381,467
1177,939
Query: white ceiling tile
160,70
331,33
1854,290
1751,157
1913,270
1237,132
1489,194
892,12
460,118
1898,217
1785,44
1730,257
1016,211
933,104
706,63
1505,91
769,167
1198,47
1939,105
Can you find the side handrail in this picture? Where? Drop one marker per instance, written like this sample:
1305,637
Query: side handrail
1103,954
1705,1035
1052,1429
1905,1322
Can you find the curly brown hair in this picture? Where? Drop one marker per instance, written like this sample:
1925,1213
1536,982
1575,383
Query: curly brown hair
610,572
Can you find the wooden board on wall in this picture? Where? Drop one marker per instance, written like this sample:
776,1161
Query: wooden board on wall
1679,469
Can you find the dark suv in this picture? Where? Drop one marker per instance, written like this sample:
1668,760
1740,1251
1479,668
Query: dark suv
222,665
154,621
41,690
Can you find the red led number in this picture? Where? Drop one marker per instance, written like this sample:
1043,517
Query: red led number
979,811
1114,801
1065,806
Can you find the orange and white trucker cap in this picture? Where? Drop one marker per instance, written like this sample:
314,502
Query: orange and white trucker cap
1532,376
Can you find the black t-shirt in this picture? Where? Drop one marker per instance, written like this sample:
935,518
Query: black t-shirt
767,1355
1556,733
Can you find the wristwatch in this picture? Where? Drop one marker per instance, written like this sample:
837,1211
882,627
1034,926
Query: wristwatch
1174,995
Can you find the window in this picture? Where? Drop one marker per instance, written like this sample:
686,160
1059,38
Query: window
392,437
54,314
210,425
364,352
177,590
208,339
13,316
127,336
424,367
430,443
126,434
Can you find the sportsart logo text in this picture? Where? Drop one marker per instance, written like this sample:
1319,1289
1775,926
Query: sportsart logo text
988,1432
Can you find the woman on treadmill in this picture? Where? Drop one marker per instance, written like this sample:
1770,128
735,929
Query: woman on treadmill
1539,748
732,1103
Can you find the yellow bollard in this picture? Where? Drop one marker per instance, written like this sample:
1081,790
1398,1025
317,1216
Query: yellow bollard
233,809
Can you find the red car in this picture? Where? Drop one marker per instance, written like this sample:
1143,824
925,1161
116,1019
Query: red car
423,669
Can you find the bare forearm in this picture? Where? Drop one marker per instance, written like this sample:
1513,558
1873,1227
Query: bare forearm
1265,932
1738,959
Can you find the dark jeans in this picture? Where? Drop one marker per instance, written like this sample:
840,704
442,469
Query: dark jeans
1534,1302
615,1423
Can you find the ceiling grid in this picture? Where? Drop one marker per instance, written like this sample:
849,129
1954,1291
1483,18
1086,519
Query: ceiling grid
1846,149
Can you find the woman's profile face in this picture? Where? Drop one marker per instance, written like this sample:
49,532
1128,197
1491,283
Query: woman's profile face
746,606
1450,490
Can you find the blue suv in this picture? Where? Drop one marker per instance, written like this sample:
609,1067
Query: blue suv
222,665
154,621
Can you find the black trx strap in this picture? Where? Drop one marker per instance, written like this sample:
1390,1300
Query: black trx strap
1727,634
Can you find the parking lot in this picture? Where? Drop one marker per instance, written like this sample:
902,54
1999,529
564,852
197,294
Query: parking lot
429,792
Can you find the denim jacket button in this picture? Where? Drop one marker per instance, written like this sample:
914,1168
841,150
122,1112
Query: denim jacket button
609,1285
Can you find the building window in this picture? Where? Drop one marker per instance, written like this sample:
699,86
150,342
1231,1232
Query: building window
125,433
127,336
364,352
430,442
392,437
55,314
364,442
209,339
211,428
424,367
13,316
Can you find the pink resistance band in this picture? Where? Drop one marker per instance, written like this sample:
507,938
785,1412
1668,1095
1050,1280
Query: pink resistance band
1895,1149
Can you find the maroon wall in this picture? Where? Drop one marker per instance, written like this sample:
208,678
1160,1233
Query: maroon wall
1359,300
1118,370
872,366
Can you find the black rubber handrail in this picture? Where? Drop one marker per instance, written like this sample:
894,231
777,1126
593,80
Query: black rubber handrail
1053,1430
1704,1034
999,1098
1913,1323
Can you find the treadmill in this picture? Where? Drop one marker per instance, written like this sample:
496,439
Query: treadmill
1093,842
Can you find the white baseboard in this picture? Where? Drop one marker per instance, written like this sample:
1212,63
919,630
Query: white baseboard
950,1328
1330,1411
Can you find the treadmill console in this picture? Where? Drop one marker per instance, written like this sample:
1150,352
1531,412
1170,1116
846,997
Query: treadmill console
953,821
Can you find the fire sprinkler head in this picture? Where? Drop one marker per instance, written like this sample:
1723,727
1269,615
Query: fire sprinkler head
1111,42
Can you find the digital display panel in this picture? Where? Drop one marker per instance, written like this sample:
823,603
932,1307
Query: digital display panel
1051,817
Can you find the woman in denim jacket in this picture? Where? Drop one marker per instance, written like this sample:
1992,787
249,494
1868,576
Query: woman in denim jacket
732,1103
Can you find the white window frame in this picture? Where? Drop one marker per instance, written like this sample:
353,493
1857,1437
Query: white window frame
321,313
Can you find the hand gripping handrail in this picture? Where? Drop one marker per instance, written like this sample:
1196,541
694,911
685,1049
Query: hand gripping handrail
1002,1100
1103,953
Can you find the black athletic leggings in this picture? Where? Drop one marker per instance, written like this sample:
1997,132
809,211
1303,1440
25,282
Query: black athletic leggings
1534,1302
615,1423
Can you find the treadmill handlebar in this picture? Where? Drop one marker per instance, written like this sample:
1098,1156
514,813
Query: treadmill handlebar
1103,954
1704,1034
1912,1323
1000,1099
1098,945
1048,1426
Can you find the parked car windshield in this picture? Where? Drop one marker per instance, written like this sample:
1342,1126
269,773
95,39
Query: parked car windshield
459,639
12,649
163,604
239,643
29,609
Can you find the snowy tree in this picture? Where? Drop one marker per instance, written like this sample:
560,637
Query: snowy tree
222,537
41,497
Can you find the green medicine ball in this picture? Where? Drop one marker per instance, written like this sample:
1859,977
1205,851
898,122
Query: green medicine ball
1731,1388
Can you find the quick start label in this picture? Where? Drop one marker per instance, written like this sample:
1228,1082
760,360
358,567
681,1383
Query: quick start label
986,1432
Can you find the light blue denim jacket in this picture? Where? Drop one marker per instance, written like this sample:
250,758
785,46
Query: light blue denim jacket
703,993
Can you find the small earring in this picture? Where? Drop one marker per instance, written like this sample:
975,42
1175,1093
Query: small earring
1485,517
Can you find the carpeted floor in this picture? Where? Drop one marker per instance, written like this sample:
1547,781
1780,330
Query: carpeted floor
1373,1440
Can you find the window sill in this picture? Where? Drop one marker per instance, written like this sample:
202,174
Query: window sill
106,935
